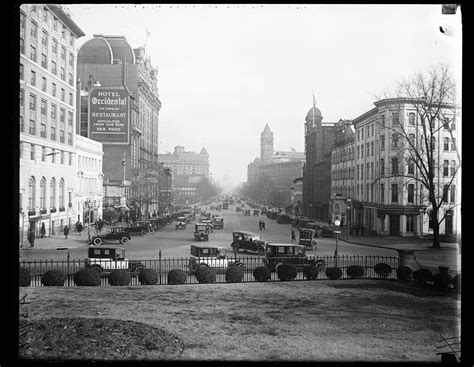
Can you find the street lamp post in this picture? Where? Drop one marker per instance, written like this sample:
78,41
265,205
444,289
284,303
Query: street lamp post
88,203
337,231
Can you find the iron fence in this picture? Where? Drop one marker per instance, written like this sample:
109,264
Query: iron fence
162,266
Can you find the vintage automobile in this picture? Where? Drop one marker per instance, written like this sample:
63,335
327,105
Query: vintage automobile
117,234
283,218
247,212
210,225
141,227
256,212
212,256
248,241
105,259
328,231
287,253
205,215
218,222
201,232
308,238
180,223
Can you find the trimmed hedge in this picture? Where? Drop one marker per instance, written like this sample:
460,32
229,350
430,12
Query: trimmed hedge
53,278
262,274
333,273
442,280
177,276
383,270
404,273
355,271
287,272
311,272
205,275
119,277
423,276
24,277
87,278
148,277
234,274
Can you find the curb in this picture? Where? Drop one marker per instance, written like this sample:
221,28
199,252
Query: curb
395,248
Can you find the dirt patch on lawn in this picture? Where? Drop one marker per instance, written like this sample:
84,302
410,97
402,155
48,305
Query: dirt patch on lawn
96,339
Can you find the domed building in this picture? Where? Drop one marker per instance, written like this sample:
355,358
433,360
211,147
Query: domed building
319,140
120,108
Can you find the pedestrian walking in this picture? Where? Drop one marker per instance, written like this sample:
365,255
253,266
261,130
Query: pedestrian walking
43,230
263,225
31,237
260,224
362,230
293,235
66,231
79,227
101,224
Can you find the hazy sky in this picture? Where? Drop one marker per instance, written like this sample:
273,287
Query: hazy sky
224,71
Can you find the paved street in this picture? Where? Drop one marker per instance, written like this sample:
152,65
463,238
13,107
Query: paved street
176,243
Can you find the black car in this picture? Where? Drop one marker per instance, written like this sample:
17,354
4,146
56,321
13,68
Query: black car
140,227
118,234
248,241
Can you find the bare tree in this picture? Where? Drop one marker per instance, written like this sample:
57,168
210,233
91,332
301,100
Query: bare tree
433,97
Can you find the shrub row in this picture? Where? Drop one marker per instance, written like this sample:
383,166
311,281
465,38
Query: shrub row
235,274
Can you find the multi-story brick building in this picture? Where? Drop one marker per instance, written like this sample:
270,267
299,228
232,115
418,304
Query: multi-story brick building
189,170
120,108
389,198
319,140
342,173
49,152
278,169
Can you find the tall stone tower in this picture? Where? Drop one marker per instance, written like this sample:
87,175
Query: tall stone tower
266,145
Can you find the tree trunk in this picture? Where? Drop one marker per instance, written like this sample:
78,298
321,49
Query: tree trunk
435,221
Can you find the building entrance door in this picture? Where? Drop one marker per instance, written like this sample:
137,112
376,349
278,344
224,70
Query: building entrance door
449,222
394,225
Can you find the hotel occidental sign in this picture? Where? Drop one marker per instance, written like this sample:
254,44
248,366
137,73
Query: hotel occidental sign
109,111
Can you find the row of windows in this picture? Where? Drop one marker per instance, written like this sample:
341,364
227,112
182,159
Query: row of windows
51,22
56,194
369,128
44,86
44,64
449,192
44,153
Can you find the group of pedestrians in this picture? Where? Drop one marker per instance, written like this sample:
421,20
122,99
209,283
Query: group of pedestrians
261,225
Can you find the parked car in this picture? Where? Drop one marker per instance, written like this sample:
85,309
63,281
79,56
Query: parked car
117,234
210,225
105,259
218,222
283,218
212,256
201,232
180,223
308,238
248,241
287,253
141,227
328,231
247,212
256,212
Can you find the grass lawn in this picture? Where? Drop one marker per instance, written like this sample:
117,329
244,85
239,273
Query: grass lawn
322,320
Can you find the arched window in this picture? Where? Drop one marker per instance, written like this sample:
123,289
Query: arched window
61,193
52,193
31,194
43,193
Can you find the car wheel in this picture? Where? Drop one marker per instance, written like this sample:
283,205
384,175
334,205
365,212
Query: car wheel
143,232
277,266
124,240
97,241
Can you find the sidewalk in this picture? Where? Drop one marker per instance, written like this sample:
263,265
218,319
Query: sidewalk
52,242
392,242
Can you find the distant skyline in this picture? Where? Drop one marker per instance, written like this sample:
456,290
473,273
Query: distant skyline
225,71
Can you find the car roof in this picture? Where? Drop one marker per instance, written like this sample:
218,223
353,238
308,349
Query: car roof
205,245
247,232
308,229
284,245
201,224
107,247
